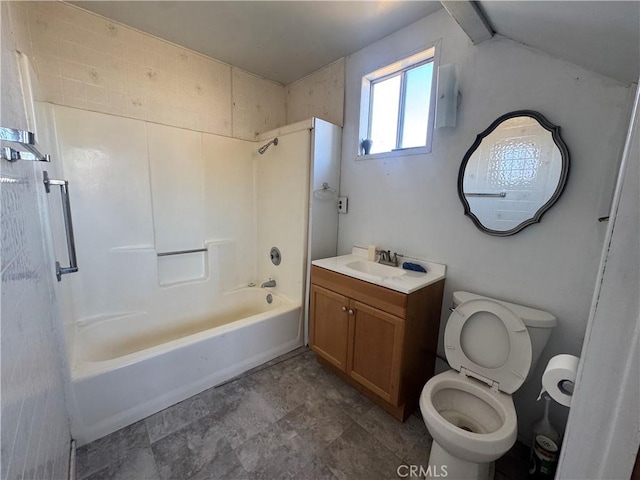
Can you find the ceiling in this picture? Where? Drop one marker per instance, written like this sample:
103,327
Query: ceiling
603,36
280,40
287,40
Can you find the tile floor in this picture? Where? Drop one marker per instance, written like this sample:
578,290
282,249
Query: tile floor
289,419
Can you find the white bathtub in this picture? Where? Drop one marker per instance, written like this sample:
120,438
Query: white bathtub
129,366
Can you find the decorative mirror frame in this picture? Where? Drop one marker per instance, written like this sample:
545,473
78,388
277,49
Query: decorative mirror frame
564,173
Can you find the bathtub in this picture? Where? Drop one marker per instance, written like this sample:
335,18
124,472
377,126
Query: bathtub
131,365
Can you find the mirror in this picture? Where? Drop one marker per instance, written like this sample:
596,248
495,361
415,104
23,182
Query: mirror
513,173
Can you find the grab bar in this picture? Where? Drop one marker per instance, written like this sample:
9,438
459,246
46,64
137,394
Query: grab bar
68,225
180,252
500,194
24,138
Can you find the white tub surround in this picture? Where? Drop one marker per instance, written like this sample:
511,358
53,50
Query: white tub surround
357,266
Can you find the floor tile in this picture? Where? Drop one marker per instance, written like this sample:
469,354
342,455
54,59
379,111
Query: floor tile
348,398
357,455
419,454
315,470
105,451
287,392
318,422
242,409
186,452
227,466
251,416
291,419
175,417
277,452
396,436
139,464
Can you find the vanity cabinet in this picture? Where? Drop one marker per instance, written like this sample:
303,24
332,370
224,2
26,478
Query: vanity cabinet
381,341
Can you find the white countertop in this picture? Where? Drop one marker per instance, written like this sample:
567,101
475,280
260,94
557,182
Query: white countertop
394,278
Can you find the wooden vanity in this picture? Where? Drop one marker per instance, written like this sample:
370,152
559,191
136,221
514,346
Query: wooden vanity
381,341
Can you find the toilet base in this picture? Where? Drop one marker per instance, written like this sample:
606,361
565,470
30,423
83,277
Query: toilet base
456,467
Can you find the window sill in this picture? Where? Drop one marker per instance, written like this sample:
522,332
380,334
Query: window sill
405,152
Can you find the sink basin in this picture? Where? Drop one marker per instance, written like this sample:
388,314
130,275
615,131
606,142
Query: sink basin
375,269
357,266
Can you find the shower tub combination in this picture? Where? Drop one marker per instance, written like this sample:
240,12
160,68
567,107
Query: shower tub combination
130,366
159,309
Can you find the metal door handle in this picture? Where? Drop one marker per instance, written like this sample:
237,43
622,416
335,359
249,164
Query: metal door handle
344,309
68,225
350,312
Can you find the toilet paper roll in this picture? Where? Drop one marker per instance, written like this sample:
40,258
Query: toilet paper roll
559,378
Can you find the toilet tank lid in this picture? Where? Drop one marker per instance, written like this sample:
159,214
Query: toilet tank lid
531,317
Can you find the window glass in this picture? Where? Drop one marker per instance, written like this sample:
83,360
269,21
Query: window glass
385,106
397,106
416,106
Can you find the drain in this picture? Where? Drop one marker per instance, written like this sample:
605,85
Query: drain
465,428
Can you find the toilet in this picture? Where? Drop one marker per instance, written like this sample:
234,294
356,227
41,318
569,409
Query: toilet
492,347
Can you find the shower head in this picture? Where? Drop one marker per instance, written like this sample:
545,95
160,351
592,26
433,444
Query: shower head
263,148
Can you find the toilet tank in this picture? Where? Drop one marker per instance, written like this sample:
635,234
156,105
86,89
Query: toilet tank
538,322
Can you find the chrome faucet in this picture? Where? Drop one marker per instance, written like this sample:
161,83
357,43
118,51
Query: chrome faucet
269,283
385,258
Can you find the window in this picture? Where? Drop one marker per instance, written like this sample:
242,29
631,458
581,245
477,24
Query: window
397,104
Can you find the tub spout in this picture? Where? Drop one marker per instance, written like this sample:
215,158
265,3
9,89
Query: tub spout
269,283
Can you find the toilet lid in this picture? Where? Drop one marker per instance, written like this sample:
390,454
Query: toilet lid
489,342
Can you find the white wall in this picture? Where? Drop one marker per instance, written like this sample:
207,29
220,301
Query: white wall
86,61
319,95
35,438
410,204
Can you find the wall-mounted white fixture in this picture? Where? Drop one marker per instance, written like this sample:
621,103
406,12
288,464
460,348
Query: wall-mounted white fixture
343,204
447,95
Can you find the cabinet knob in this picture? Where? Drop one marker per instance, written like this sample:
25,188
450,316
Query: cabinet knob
344,309
350,312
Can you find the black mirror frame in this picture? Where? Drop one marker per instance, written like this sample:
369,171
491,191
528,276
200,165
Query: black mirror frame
564,173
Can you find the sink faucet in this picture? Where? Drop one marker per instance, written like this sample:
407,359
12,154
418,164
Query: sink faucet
269,283
385,258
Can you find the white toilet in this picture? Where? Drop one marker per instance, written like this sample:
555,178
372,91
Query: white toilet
492,346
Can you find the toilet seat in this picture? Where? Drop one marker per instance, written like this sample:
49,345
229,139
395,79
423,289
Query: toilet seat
486,340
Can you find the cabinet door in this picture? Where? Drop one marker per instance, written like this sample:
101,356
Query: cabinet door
329,325
376,339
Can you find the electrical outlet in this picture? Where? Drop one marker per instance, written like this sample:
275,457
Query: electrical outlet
343,204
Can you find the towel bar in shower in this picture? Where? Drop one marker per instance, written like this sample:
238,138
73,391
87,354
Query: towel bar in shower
27,140
68,225
181,252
